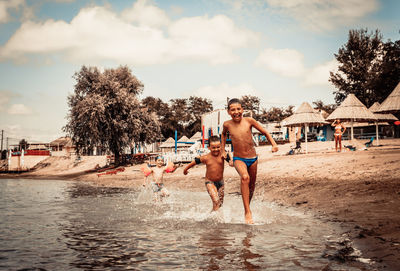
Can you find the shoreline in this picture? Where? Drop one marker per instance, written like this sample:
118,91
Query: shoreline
358,190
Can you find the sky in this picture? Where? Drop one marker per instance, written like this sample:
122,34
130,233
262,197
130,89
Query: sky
278,50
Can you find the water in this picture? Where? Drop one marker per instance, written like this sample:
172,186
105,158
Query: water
65,225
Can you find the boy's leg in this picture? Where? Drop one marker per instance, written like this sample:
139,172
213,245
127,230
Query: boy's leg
164,192
212,191
253,177
241,168
221,195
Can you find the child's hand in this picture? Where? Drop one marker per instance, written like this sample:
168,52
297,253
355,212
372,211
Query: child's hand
274,148
223,155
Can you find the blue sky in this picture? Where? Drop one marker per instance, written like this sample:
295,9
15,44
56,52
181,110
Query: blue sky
279,50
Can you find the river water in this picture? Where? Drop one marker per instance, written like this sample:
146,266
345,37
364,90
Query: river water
66,225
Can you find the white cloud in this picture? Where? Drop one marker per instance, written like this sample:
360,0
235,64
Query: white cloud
325,14
19,109
5,97
319,75
97,33
290,63
5,7
219,93
145,15
286,62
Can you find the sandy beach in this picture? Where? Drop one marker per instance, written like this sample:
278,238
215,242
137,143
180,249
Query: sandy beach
359,190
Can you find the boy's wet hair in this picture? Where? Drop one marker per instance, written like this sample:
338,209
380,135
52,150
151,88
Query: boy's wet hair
214,138
234,101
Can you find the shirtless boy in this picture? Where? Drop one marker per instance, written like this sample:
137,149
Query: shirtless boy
244,152
214,171
158,175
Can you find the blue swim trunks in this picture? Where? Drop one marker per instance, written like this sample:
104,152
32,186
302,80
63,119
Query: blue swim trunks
247,161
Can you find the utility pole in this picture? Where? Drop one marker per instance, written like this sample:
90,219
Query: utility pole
7,142
2,134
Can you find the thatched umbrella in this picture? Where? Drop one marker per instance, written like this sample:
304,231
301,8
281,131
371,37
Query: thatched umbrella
352,110
392,103
380,117
304,115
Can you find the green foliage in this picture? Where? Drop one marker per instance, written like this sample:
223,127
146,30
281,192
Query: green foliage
368,67
276,114
104,111
328,108
183,115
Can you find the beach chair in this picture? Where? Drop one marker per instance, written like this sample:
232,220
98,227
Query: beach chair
369,143
296,149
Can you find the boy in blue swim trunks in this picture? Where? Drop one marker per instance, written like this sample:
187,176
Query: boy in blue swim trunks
244,152
214,171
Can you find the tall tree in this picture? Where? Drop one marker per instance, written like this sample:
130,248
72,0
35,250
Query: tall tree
197,106
277,113
368,67
105,111
251,103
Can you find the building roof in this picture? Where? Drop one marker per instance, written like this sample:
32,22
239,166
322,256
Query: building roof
305,114
392,102
352,109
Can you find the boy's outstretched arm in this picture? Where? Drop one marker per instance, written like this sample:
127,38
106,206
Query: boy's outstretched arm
190,165
223,140
258,126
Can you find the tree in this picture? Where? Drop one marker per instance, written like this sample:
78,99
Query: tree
197,106
368,67
277,113
251,103
328,108
105,111
23,144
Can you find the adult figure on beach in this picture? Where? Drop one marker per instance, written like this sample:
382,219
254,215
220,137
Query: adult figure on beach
338,133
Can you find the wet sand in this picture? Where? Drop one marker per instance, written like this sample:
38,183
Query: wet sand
360,190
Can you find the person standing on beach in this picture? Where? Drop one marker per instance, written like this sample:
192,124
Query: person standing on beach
338,133
244,152
214,171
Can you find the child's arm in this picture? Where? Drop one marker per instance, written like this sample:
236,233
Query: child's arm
223,140
196,161
258,126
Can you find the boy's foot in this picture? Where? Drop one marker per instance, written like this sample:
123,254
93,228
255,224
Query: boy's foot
248,218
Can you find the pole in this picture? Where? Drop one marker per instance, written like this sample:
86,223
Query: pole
2,135
176,141
377,133
305,128
352,134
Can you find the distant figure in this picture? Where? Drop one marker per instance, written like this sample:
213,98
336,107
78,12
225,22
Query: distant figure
338,133
244,152
214,162
158,173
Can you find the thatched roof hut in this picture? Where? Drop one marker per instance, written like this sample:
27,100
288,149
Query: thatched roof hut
381,116
392,102
304,115
195,137
352,110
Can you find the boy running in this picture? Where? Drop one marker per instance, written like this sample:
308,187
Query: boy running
158,175
244,152
214,171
